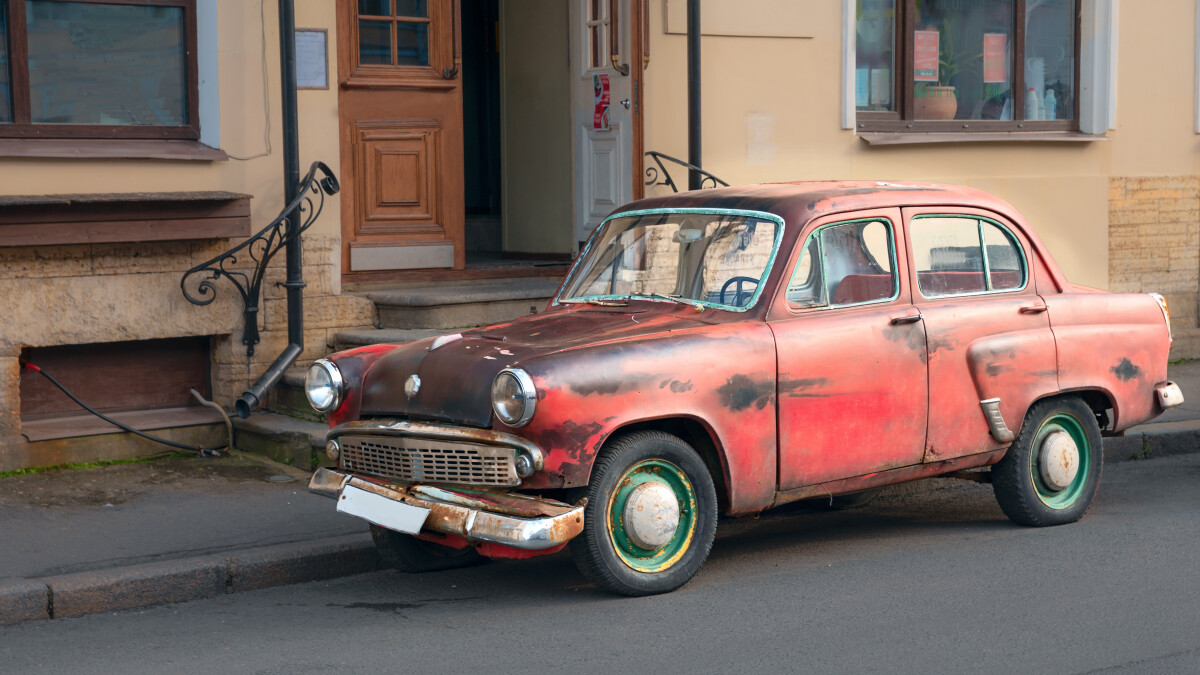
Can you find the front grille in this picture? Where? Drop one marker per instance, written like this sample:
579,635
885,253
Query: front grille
426,460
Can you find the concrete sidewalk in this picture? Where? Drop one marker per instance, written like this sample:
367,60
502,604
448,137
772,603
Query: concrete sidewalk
118,537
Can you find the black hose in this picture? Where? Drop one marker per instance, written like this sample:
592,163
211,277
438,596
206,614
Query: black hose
182,446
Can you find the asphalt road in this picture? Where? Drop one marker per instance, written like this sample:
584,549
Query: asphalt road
929,581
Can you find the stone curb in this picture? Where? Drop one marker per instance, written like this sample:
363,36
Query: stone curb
156,583
1157,439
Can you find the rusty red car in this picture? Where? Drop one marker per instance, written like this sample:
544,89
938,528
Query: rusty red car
730,350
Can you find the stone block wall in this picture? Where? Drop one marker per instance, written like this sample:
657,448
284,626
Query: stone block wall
83,294
1154,246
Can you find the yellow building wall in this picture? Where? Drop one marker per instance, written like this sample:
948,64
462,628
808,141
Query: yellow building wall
772,112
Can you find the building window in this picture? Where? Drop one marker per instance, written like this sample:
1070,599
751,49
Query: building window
98,69
951,65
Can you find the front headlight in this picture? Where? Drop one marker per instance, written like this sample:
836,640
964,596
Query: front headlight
323,386
514,397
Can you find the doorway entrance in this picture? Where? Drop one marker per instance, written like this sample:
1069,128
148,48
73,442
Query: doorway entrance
472,138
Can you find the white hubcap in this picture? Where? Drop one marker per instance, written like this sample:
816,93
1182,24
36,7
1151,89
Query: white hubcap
1059,462
651,515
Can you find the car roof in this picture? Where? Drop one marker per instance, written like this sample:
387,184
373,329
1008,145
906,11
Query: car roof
800,201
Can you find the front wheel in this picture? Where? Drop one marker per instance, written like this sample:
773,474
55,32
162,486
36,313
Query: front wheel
651,516
1050,474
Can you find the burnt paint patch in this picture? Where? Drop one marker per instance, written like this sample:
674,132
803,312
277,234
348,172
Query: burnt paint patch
608,384
799,386
740,392
913,337
1125,370
995,369
569,437
678,387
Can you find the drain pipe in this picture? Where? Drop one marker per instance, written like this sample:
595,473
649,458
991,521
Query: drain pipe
695,180
291,179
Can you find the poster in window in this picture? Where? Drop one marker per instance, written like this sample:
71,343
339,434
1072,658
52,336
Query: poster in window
601,97
995,58
925,56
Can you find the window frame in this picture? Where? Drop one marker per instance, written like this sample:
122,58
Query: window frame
22,125
828,304
987,277
442,21
902,120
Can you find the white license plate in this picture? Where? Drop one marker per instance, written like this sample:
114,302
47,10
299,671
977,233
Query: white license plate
382,511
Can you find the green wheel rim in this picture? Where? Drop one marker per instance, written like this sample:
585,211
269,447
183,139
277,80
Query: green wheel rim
1066,497
666,556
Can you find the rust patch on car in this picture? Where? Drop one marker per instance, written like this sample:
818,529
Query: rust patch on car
1125,370
570,437
801,386
740,392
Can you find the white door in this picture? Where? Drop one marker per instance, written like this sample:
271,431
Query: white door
603,143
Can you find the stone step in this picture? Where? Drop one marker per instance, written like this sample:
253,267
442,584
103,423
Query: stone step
287,396
462,304
295,442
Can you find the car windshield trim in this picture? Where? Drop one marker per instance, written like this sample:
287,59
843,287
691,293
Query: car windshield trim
747,213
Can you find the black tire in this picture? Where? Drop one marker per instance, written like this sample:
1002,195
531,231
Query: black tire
854,500
409,554
624,568
1023,494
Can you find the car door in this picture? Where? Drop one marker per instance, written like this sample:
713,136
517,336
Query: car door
852,391
988,330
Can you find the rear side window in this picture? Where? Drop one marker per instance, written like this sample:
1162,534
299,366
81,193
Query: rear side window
850,263
965,255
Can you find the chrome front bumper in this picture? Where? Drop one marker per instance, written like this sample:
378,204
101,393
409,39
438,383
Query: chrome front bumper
499,517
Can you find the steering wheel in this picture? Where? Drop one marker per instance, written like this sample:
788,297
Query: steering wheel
740,296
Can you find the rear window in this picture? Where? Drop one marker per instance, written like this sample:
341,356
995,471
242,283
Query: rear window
965,255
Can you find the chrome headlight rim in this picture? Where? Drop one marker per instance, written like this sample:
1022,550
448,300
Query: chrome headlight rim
528,396
336,382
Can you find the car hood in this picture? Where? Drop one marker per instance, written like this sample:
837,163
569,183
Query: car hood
456,376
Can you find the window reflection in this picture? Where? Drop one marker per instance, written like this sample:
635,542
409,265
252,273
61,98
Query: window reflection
963,60
874,75
106,64
1050,59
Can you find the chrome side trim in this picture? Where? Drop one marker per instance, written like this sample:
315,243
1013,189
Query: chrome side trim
476,524
1169,395
448,432
995,421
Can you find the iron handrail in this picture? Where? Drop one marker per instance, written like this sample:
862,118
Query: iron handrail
653,174
260,248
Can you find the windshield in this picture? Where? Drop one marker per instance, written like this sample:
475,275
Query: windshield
716,259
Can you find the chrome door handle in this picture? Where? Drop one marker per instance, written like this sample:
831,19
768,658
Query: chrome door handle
1034,309
908,318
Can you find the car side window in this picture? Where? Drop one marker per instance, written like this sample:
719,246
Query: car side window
964,255
843,264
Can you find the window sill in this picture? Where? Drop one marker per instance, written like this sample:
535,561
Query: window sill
97,148
53,220
917,138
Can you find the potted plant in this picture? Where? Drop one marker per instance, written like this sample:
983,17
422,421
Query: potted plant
940,102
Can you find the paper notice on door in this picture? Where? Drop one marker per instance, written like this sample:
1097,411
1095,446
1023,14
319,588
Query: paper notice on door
925,56
601,96
995,57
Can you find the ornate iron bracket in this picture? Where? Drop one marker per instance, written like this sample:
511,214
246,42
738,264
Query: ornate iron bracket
653,174
259,249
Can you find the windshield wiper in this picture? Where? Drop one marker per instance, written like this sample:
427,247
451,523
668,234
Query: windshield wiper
699,307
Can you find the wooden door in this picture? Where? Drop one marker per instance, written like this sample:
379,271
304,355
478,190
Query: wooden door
400,109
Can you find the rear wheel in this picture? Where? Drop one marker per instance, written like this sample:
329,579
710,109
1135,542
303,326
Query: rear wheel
651,516
410,554
1050,474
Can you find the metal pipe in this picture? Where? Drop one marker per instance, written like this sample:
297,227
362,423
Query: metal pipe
291,186
693,92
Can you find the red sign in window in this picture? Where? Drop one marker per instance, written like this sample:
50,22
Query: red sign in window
925,56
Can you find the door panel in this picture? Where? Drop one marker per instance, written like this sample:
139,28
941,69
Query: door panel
400,106
852,383
604,156
982,344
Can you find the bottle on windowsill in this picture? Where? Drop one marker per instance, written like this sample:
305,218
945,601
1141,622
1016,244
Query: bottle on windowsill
1031,104
1051,106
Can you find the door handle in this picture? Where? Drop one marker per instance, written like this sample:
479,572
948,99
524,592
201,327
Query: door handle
625,102
1034,309
907,318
